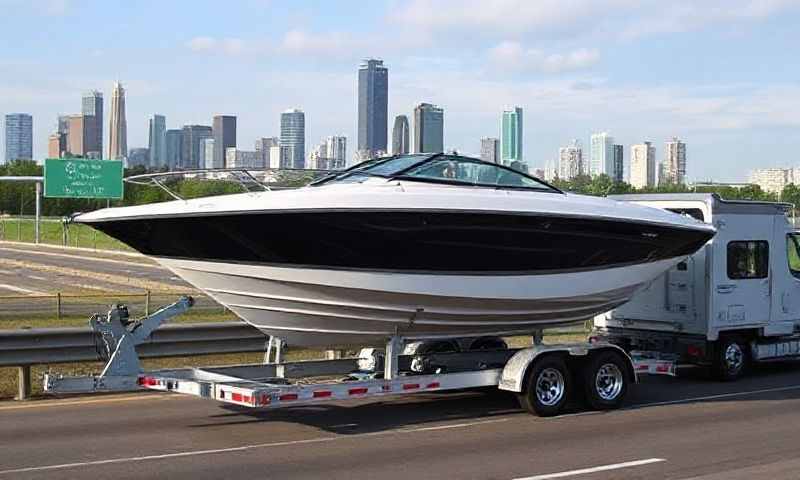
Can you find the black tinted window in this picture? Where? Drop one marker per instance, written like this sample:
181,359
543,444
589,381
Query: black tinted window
748,259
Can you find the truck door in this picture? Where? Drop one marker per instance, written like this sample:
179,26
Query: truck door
741,285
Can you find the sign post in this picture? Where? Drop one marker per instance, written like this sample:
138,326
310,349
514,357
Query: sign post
81,178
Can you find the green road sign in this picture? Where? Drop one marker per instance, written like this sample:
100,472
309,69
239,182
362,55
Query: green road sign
80,178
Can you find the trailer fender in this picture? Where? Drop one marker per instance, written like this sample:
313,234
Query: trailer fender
513,376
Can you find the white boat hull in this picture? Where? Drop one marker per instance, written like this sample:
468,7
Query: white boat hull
326,307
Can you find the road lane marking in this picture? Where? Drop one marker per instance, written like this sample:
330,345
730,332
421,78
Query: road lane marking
714,397
242,448
19,289
83,257
601,468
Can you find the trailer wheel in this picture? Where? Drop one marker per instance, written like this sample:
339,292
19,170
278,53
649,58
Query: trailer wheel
605,381
547,387
731,358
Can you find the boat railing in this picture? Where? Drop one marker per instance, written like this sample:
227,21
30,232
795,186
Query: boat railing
185,184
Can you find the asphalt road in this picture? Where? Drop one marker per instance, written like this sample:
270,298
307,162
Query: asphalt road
671,428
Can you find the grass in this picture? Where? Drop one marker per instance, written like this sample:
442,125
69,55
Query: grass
52,232
50,321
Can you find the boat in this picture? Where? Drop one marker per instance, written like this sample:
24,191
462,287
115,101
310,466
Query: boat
420,246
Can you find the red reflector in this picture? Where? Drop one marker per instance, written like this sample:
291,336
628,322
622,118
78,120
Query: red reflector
694,351
662,368
288,396
357,391
433,385
410,386
236,397
323,394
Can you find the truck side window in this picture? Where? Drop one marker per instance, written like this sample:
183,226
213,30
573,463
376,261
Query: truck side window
748,259
793,253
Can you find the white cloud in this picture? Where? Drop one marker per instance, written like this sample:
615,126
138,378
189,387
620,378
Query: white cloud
512,55
228,46
311,43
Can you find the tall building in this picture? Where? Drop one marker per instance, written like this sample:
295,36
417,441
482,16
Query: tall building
174,148
56,145
235,158
773,180
490,149
19,137
675,161
208,153
264,148
293,138
318,158
643,165
139,157
511,147
570,161
428,128
157,144
224,128
274,157
117,126
63,124
618,172
92,111
400,136
602,154
192,146
336,148
373,107
75,136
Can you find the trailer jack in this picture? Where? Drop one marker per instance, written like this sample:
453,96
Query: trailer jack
118,337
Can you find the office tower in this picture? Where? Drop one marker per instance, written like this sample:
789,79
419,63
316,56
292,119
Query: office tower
117,126
428,128
618,172
274,157
174,148
75,135
602,154
192,146
318,158
63,124
490,149
336,149
19,137
56,145
224,128
293,138
235,158
400,136
570,161
511,148
643,165
373,107
92,111
158,141
139,157
264,148
208,154
675,161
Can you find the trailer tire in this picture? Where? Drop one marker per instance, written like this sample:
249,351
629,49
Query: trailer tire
605,380
547,388
731,358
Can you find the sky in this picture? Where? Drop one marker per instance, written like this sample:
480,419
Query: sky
722,75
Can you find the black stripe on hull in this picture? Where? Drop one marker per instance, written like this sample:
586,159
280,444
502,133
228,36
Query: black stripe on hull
408,241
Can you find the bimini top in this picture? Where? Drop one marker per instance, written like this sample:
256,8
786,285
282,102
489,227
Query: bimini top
438,168
716,204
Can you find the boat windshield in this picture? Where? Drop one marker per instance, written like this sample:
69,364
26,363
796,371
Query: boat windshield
449,169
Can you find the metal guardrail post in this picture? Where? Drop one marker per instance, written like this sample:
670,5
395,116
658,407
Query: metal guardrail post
58,305
24,382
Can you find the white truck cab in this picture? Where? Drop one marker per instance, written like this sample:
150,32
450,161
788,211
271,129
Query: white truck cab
735,300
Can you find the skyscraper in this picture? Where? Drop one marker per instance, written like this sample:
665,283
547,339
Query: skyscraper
56,145
92,110
75,135
490,149
511,148
117,126
675,161
19,137
618,173
293,138
174,148
208,152
400,135
336,148
139,157
192,146
373,107
428,128
264,148
602,154
224,128
570,161
643,165
158,141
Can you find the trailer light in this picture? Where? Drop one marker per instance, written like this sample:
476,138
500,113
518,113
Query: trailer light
322,394
288,396
694,351
357,391
433,385
410,386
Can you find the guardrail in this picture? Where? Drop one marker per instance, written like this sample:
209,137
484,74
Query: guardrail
23,348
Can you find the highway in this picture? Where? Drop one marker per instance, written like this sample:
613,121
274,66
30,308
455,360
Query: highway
682,428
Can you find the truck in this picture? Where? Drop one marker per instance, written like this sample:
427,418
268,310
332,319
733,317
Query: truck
734,302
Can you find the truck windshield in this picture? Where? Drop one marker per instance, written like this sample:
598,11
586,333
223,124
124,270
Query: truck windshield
793,253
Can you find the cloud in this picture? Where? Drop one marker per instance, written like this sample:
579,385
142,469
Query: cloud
310,43
512,55
228,46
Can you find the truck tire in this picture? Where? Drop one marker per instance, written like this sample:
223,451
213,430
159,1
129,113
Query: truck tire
605,380
731,358
548,386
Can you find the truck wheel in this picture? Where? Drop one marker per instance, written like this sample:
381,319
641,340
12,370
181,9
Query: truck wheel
548,386
731,359
605,381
